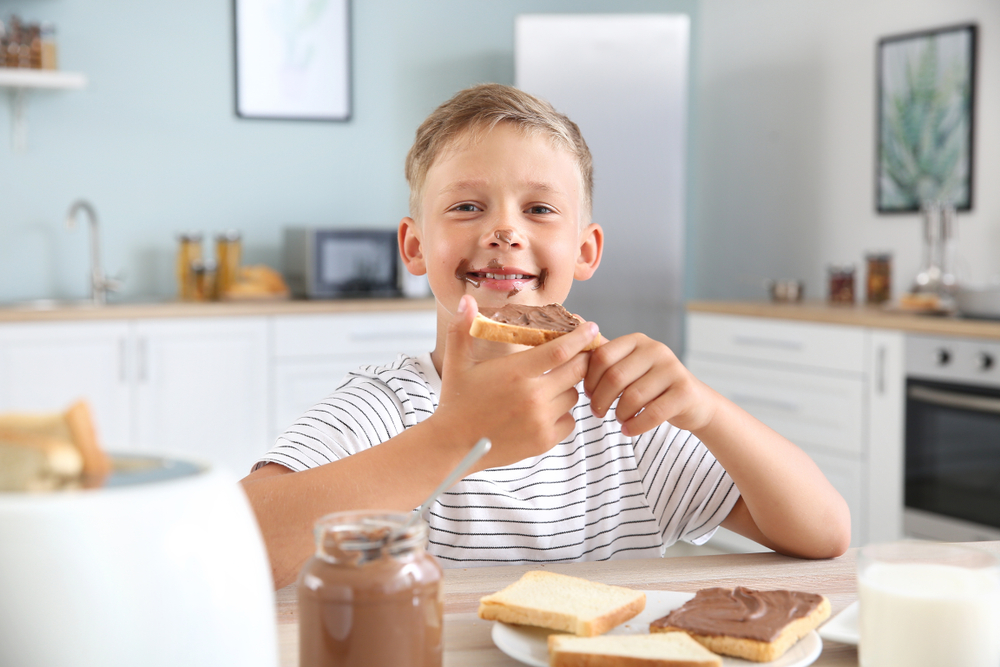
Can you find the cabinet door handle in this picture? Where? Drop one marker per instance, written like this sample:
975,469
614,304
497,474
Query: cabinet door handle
142,360
122,360
759,341
880,370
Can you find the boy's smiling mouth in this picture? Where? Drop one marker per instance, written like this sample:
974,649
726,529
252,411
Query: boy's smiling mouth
495,276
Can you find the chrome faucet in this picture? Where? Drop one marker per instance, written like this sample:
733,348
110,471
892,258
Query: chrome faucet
99,284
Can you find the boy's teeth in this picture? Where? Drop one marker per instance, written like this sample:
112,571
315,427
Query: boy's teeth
501,276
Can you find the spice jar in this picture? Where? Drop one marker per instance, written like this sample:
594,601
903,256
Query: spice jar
204,280
841,279
228,251
370,596
188,252
879,287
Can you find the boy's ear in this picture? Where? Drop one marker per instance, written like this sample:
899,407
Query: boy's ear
409,247
591,250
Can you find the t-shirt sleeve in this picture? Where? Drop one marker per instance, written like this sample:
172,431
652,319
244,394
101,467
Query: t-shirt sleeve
361,413
687,489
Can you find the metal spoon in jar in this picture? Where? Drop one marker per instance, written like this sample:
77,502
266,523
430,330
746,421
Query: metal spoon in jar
477,452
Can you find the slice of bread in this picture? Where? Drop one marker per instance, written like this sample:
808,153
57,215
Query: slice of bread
560,602
669,649
55,448
753,649
488,328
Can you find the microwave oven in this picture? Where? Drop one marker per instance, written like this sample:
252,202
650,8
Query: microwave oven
333,263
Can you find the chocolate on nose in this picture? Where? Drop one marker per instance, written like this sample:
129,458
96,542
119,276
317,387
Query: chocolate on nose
504,235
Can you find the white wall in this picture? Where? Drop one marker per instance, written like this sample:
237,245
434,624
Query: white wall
784,147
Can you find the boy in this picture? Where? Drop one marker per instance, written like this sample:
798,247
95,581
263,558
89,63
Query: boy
617,452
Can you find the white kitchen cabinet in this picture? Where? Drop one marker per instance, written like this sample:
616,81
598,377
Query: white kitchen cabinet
312,353
201,388
834,390
44,367
195,387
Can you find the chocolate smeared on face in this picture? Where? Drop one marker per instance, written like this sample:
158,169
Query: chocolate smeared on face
504,236
540,281
462,273
495,264
513,292
552,317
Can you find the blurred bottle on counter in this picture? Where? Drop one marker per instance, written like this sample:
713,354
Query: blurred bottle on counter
228,255
188,255
50,52
841,280
205,280
879,280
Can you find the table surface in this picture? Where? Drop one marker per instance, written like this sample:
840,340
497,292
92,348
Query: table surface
467,638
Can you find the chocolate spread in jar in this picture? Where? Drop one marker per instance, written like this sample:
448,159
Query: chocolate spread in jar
740,612
552,317
369,598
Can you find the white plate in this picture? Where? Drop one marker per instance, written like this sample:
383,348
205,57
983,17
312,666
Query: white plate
843,627
530,645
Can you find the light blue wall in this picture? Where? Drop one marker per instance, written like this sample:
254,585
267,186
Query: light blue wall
154,142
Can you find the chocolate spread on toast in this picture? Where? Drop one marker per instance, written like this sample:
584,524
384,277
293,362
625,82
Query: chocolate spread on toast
740,612
552,317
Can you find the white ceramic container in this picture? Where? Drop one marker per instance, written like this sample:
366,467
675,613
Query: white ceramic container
165,565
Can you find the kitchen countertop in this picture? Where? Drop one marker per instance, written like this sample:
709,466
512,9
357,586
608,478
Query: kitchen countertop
863,316
467,641
148,310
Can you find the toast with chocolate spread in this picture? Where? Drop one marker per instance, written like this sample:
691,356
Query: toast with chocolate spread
745,623
526,325
560,602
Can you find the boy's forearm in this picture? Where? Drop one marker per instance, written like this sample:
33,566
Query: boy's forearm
397,475
787,497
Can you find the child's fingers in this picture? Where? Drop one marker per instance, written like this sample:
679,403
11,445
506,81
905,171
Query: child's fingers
458,348
547,356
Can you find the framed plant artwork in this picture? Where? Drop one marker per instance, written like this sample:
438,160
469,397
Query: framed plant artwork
293,59
926,93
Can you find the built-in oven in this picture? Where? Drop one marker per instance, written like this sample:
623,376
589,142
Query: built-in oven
952,451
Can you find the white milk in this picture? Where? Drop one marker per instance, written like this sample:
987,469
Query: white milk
917,615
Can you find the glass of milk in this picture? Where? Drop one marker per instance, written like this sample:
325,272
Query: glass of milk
928,604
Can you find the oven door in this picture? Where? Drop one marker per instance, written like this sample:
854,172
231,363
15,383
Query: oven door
952,484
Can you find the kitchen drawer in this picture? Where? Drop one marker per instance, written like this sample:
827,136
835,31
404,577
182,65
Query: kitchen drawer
819,412
350,333
827,346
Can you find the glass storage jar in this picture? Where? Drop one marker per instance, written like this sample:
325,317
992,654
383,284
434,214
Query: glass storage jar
369,596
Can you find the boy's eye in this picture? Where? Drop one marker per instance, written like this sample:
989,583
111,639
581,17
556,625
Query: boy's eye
465,208
539,209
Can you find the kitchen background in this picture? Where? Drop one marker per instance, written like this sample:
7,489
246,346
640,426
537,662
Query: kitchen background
780,150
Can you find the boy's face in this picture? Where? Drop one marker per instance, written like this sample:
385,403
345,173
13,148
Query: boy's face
501,220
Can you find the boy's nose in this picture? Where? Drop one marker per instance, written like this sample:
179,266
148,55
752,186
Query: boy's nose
505,238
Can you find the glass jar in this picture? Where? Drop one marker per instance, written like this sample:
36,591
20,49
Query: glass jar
879,285
228,251
188,253
841,278
204,280
368,596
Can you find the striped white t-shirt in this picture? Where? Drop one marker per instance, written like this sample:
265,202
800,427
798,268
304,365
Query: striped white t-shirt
596,495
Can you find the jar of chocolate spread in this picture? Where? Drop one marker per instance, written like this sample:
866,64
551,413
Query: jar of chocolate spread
370,596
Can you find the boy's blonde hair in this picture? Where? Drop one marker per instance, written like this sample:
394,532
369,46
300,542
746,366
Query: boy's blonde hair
478,110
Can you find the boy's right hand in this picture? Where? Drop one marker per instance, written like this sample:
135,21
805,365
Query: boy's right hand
521,402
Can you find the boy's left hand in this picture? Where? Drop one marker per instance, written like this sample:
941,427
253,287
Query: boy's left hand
653,384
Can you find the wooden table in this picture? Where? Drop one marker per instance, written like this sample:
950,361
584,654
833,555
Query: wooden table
467,638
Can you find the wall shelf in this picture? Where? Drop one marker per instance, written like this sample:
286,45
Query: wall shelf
20,81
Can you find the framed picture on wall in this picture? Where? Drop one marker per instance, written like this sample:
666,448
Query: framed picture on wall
926,94
293,59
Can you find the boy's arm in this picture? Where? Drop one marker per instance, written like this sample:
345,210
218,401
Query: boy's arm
786,503
521,402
